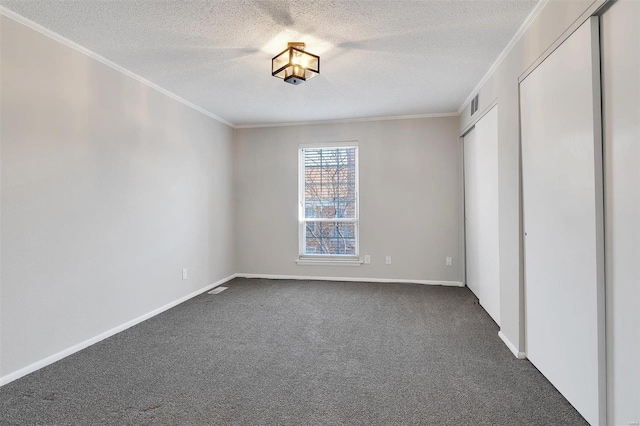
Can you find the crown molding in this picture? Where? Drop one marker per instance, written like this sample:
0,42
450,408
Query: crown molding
518,35
65,41
347,120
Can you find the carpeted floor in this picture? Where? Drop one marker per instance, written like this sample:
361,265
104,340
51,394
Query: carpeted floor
297,352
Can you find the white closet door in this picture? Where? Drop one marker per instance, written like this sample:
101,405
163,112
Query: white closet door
621,103
563,223
481,212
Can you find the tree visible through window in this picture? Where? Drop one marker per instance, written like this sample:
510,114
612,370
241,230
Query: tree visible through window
329,201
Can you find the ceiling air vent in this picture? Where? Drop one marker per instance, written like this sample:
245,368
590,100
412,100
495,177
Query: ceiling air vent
474,105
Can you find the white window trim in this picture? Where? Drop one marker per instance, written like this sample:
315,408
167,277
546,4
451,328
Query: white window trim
326,259
328,262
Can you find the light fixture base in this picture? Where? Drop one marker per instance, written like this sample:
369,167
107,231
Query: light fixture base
294,79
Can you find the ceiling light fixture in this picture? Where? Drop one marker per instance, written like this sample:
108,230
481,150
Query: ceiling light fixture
294,65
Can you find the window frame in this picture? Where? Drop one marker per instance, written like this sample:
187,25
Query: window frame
302,220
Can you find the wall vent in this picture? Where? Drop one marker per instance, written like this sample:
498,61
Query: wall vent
474,105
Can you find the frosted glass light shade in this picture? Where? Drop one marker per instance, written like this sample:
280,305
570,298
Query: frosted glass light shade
294,65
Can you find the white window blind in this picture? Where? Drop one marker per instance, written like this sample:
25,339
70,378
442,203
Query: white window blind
328,208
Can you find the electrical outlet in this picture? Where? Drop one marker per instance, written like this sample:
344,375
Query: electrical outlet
388,260
449,261
184,274
367,259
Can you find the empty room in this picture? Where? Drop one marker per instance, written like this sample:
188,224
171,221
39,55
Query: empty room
351,212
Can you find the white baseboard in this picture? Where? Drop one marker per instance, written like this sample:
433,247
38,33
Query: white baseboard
511,346
366,280
75,348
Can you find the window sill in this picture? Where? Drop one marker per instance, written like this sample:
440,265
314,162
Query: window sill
328,262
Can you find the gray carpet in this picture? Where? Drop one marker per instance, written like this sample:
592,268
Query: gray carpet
297,352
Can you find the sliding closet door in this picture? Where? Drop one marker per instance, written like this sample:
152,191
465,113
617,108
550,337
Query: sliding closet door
621,113
563,223
481,212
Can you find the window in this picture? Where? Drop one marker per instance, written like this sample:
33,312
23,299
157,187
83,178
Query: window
328,207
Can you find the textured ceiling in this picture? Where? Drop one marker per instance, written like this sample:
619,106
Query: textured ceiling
379,58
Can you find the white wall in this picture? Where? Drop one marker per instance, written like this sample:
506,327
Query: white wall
555,18
621,105
109,189
410,203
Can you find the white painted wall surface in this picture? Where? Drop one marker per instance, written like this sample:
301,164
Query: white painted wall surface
620,34
481,212
563,222
410,198
556,17
109,189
